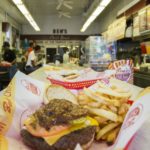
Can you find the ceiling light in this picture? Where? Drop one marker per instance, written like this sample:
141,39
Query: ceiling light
98,10
23,9
26,13
17,2
101,6
105,2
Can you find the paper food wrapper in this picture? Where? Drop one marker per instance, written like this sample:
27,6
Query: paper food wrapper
123,70
24,95
84,75
20,99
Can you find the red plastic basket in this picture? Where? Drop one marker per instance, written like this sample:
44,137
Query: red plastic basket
74,85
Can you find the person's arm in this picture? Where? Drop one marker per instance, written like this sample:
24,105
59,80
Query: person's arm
13,62
13,55
33,62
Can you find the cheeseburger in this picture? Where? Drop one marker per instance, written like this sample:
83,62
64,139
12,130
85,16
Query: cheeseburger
59,125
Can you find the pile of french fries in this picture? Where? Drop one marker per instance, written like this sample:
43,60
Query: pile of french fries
108,105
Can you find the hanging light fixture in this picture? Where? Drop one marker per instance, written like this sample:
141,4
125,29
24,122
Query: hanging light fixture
97,11
26,13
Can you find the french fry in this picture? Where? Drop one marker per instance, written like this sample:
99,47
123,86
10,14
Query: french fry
104,124
113,93
113,108
100,120
83,103
103,85
84,97
104,113
143,92
120,119
113,135
114,87
108,105
97,129
104,107
123,109
90,94
104,137
94,104
106,129
112,101
120,90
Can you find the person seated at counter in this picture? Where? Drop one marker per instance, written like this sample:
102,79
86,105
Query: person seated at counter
72,58
9,60
82,60
8,55
31,64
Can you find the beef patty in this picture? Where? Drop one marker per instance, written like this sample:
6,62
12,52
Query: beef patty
67,142
58,112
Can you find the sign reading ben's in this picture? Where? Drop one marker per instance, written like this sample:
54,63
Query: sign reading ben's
60,31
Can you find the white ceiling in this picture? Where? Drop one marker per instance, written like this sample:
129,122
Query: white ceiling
43,7
48,7
8,7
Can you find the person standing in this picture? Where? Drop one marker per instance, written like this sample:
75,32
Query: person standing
31,59
66,57
30,49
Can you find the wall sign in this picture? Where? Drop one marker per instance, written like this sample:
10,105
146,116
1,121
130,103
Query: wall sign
54,37
59,31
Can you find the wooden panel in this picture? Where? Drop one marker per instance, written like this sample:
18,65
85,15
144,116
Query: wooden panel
54,37
5,26
134,9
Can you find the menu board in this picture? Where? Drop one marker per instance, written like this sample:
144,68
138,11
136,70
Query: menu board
136,31
148,18
142,20
116,30
0,35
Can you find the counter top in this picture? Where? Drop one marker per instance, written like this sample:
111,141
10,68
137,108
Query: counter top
39,74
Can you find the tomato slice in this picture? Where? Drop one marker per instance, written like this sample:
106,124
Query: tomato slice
42,132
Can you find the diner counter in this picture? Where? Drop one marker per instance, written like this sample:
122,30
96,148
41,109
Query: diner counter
39,74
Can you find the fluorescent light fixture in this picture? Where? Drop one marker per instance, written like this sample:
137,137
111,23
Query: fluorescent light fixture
98,10
26,13
105,2
17,2
101,6
23,9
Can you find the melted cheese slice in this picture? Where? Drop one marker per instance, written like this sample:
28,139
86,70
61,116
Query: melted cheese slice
88,122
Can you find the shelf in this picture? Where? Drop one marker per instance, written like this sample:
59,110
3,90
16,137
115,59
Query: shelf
145,36
146,32
141,38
